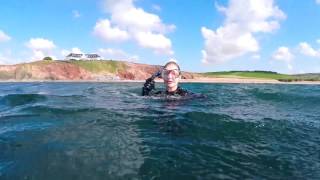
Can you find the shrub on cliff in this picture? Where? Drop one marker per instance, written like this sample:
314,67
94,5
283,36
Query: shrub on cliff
47,58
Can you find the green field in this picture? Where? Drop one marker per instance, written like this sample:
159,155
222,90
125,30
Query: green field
248,74
99,66
94,66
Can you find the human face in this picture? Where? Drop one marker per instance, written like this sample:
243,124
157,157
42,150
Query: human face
171,77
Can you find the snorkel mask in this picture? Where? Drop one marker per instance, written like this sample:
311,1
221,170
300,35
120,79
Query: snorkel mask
175,73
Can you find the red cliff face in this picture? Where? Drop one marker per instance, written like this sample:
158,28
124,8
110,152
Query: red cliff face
44,71
62,71
136,71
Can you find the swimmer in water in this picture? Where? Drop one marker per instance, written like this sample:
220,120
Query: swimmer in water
171,75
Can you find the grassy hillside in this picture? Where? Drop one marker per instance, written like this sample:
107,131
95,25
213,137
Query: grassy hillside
264,75
303,77
94,66
99,66
41,62
248,74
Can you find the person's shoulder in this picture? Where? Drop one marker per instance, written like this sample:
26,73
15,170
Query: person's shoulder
185,92
155,93
158,92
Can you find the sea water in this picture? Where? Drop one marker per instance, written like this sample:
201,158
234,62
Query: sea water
109,131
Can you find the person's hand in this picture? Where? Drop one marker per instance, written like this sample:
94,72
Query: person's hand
156,74
149,83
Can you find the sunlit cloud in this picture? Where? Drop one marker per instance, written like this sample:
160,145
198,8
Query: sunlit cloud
128,22
118,54
308,50
76,14
40,48
156,7
244,19
4,37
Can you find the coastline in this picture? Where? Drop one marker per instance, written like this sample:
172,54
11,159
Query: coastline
247,81
198,80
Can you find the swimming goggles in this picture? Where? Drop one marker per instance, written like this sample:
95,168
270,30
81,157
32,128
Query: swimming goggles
174,72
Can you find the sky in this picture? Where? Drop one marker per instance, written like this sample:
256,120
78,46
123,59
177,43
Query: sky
201,35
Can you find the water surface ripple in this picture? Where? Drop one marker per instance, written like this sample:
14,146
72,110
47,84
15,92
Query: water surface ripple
108,131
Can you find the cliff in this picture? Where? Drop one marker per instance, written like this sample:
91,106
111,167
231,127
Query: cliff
81,70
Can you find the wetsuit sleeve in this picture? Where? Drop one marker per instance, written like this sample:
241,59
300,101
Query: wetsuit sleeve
184,92
148,87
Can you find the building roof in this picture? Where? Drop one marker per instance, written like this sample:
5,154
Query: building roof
92,55
75,55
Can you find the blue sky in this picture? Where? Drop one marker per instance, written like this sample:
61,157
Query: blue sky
202,35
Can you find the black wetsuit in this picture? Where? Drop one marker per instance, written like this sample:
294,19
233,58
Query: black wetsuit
149,90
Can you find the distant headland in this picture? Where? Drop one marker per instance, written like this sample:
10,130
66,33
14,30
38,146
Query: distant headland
113,70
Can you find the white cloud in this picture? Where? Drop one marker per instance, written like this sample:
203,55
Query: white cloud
283,53
130,22
126,15
307,50
7,57
104,30
4,37
40,44
221,46
3,59
76,14
38,55
318,1
256,56
318,41
76,50
244,18
156,7
158,42
117,54
64,53
40,48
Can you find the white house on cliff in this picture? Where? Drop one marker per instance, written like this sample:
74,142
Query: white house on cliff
75,56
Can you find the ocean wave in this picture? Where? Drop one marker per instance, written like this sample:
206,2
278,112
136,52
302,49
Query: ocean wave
59,110
24,127
109,131
284,96
13,100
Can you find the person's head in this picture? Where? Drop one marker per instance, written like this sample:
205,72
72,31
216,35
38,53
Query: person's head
171,75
